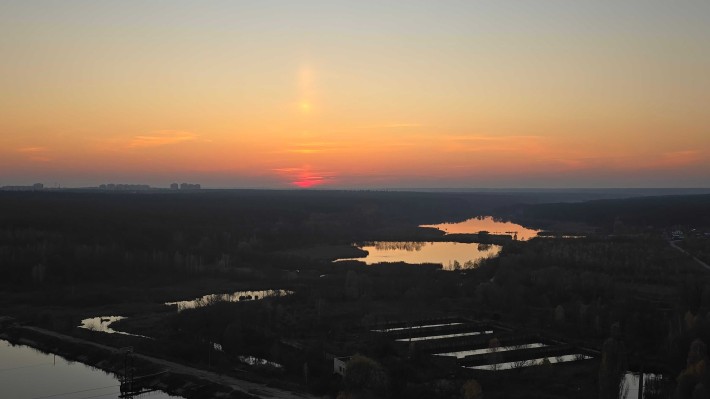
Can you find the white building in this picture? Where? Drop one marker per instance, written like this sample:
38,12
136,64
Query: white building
340,364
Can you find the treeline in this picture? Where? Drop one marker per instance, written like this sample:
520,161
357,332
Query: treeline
658,212
68,237
572,288
581,288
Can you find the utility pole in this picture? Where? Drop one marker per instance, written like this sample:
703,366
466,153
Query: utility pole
128,380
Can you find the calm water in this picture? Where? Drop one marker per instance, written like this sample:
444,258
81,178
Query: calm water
233,297
417,327
26,373
448,254
531,362
471,352
442,336
103,324
486,223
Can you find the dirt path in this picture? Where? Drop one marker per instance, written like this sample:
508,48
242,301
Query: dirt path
252,388
698,261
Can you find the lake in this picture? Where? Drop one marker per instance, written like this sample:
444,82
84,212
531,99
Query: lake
447,254
488,224
27,373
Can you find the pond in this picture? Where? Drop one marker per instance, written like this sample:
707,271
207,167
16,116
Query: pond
471,352
391,329
238,296
451,255
531,362
442,336
103,323
26,373
487,224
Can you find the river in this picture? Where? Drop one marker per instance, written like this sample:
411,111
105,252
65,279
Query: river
26,373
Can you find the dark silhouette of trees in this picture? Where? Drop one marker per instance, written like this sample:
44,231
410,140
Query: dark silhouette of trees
613,365
365,378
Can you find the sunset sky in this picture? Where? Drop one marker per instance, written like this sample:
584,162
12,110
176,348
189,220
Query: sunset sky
358,94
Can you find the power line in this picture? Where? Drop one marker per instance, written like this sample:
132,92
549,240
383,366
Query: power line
136,395
69,393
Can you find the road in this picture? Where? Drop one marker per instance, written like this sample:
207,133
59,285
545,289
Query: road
698,261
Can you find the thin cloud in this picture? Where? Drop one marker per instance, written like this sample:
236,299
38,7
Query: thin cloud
287,170
309,148
679,159
34,153
630,162
392,126
161,138
483,143
31,150
493,138
581,161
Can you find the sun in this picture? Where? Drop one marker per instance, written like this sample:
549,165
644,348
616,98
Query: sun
305,106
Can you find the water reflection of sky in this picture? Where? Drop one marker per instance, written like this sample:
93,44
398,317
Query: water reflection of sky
416,327
471,352
445,253
103,323
487,223
442,336
233,297
27,373
531,362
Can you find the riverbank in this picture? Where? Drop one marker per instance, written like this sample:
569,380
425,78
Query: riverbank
173,378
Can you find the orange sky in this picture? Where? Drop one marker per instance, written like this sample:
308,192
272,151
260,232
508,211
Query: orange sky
355,95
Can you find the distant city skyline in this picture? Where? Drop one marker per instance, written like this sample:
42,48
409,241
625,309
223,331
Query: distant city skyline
366,94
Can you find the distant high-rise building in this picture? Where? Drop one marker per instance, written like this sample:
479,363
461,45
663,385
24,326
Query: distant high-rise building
34,187
189,186
174,186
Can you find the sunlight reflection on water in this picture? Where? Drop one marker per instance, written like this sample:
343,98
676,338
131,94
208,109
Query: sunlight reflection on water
451,255
488,224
